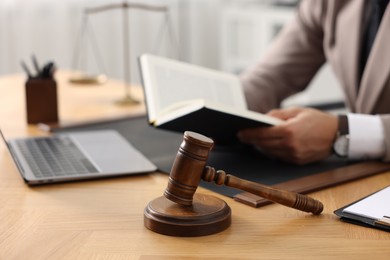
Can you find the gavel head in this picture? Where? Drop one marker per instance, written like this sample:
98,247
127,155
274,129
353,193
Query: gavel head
188,167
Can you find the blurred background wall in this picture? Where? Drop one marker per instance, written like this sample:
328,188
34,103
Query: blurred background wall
227,35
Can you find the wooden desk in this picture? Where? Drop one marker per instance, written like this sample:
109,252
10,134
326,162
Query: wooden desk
103,219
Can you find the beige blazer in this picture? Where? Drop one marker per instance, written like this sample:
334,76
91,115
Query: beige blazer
325,31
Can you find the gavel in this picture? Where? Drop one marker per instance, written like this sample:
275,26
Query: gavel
178,208
190,167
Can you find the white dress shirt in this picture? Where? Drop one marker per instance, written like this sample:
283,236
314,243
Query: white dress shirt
366,137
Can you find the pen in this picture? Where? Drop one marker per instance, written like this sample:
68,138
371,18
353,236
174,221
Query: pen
48,70
36,66
25,68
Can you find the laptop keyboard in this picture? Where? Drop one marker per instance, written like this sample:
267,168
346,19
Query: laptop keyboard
55,156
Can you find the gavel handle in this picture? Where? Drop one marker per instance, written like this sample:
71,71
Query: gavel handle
286,198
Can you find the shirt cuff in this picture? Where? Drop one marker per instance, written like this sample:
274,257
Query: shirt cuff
366,137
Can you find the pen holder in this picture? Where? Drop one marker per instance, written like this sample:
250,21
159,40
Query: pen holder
41,100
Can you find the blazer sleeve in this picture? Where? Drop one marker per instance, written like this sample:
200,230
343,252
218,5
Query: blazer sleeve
291,61
386,126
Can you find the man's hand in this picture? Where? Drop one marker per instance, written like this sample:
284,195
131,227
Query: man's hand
306,136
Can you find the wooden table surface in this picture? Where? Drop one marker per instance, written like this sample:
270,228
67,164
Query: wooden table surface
103,219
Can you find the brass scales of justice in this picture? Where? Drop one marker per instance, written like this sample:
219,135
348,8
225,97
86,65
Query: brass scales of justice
85,79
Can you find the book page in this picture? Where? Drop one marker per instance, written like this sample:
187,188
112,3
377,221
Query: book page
168,81
178,86
374,206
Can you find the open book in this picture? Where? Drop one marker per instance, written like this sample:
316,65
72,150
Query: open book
185,97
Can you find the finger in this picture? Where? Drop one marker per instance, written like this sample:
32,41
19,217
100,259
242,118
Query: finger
269,144
278,153
272,132
285,113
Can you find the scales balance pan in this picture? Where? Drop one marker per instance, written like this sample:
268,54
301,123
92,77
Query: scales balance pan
84,79
182,212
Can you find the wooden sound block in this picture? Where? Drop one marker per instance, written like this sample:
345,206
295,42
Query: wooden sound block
207,215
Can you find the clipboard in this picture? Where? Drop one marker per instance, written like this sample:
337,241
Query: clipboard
371,211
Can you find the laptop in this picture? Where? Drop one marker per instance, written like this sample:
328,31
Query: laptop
76,156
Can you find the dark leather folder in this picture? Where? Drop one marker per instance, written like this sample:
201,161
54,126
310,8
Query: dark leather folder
161,146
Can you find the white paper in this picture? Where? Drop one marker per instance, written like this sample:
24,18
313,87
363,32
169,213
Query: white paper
168,81
375,206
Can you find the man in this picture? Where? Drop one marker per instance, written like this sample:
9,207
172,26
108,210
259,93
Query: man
354,37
